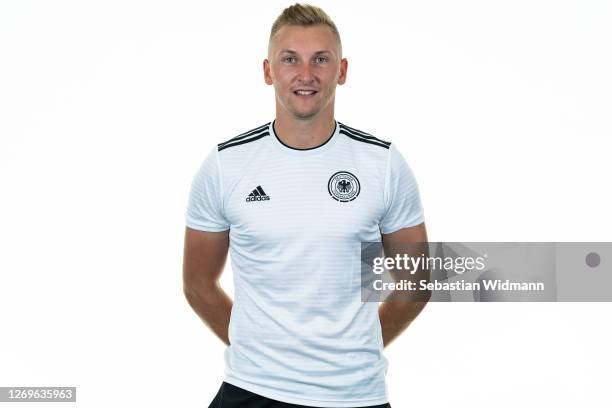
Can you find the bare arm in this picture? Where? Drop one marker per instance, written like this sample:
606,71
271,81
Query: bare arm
396,315
204,257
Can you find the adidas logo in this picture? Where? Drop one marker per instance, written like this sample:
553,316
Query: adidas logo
258,195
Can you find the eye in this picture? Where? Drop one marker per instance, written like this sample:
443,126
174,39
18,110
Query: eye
321,59
288,59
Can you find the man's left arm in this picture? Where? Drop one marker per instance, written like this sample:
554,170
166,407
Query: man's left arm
397,314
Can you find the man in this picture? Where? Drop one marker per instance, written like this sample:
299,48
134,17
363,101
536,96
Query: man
292,200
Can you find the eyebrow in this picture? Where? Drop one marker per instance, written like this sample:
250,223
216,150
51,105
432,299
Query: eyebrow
295,52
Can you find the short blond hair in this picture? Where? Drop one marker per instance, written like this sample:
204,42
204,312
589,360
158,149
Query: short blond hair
303,15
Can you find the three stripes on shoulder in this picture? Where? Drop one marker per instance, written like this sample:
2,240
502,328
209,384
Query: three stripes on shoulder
362,136
261,131
247,137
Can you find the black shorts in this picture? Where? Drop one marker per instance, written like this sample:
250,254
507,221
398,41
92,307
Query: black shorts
230,396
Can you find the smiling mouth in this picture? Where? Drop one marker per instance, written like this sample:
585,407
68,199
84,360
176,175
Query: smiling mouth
304,92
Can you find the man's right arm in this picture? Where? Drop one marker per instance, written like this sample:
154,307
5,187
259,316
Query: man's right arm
204,257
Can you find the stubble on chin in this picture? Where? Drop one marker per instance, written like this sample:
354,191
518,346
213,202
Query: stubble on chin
304,115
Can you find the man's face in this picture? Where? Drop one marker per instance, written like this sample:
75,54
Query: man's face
304,66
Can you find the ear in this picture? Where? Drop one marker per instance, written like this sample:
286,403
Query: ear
343,69
267,75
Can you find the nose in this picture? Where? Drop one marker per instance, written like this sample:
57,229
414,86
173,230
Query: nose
305,73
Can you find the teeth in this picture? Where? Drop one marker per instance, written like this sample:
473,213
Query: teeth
304,92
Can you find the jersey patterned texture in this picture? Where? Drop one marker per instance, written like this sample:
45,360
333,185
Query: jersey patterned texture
299,332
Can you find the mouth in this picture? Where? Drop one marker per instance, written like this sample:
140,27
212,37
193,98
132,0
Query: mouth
305,92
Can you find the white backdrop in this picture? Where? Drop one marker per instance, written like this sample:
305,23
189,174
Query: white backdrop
107,109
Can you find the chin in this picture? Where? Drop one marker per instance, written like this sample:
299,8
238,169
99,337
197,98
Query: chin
305,115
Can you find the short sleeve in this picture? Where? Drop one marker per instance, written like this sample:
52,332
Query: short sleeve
205,205
402,200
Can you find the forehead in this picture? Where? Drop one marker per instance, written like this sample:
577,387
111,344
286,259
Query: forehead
305,39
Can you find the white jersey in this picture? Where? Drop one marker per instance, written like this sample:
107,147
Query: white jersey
299,331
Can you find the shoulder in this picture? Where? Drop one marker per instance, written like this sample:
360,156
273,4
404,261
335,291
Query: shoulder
365,139
245,138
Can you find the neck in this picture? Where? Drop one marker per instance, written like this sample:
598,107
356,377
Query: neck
304,133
